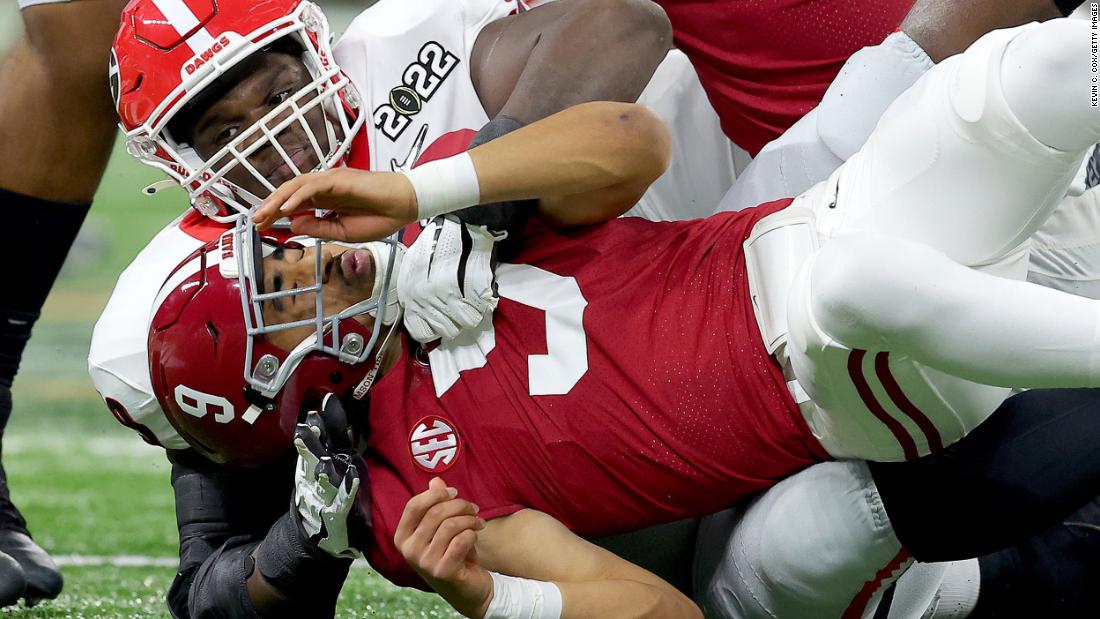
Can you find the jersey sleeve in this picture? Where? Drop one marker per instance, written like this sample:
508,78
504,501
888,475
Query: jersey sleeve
393,21
479,13
118,360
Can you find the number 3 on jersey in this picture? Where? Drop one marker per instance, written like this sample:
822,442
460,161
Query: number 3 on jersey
566,358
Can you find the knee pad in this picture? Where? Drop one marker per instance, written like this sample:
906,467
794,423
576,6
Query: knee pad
817,544
1045,75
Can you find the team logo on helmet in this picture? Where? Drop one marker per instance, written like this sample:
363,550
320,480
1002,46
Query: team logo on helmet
434,444
112,72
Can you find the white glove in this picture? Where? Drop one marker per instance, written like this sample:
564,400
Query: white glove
446,279
325,487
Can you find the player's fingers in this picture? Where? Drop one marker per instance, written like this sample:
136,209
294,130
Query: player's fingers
417,507
303,197
466,314
351,481
419,329
327,477
439,322
268,211
433,517
445,534
344,227
328,228
455,557
309,461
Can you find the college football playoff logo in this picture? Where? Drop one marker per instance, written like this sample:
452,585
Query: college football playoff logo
419,81
434,444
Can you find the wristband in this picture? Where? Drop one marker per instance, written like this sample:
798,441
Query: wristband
444,185
521,598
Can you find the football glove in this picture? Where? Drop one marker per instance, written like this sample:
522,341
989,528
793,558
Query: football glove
326,481
446,283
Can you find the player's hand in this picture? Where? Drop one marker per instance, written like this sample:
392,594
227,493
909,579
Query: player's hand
325,486
446,280
437,535
365,206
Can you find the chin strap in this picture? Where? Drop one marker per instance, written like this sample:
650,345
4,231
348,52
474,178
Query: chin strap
364,385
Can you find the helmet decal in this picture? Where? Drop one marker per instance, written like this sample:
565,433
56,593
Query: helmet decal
112,77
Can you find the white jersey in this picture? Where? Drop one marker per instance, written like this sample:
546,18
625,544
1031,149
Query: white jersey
118,360
413,67
410,63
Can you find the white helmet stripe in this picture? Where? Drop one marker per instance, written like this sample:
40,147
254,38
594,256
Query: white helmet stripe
183,20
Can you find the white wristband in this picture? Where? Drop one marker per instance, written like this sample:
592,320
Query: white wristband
444,185
520,598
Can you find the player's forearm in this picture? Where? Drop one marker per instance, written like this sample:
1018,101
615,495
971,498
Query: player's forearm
624,599
588,163
609,599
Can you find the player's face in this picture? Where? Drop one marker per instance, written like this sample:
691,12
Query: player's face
347,277
275,78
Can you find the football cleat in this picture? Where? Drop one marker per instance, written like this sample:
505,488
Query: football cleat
12,581
42,577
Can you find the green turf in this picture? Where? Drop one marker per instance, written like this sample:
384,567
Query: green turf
123,592
91,488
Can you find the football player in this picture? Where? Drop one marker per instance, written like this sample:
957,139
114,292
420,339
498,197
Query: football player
123,409
430,45
1049,144
56,131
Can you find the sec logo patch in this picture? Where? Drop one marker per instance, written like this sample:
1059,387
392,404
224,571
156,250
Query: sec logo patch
434,444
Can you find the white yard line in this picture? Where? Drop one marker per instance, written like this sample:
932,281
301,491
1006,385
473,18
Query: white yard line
115,561
131,561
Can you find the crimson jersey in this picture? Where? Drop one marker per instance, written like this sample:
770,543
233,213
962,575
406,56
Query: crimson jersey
621,383
765,63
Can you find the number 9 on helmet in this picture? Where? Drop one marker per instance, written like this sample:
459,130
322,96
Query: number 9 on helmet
233,393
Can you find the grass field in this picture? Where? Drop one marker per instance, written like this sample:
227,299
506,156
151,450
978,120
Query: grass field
94,494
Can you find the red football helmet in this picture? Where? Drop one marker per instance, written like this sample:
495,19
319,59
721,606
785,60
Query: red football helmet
207,326
168,51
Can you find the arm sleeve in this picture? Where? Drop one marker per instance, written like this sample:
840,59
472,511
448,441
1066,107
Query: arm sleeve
222,514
